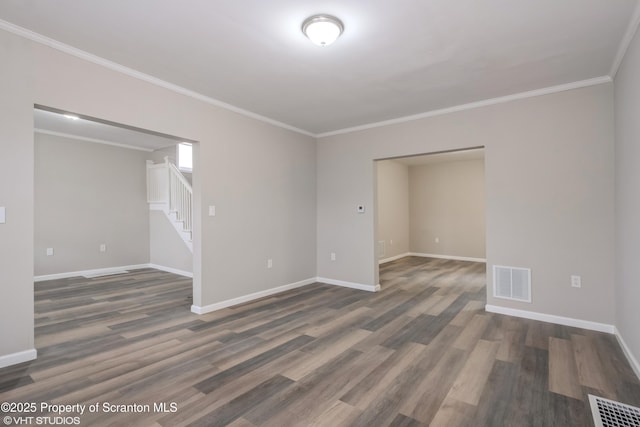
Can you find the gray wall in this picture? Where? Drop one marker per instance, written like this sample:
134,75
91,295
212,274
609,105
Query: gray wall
16,195
87,194
167,249
447,202
627,108
549,164
393,207
268,213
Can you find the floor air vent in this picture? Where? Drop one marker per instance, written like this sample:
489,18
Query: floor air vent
97,275
608,413
512,283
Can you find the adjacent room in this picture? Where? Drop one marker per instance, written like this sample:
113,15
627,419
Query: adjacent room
320,213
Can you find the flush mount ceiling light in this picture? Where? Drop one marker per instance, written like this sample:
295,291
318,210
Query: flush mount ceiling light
322,29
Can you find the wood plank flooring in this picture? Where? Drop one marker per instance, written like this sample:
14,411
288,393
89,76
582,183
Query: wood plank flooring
421,352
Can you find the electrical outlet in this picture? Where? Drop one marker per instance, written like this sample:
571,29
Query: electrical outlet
49,251
576,281
103,247
269,263
212,210
333,256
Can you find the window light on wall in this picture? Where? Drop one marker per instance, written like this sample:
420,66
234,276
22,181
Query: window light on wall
185,157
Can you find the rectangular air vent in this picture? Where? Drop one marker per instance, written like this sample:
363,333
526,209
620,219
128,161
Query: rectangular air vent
512,283
609,413
109,273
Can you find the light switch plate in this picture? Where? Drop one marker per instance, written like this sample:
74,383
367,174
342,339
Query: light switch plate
212,210
3,215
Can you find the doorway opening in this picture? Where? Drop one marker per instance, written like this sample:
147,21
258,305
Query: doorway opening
98,219
430,214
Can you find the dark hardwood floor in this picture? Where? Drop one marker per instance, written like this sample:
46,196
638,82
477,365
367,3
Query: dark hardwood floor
421,352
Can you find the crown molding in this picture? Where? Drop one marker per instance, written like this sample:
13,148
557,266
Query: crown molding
472,105
626,41
39,38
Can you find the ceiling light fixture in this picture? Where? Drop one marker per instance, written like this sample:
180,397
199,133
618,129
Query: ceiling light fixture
322,29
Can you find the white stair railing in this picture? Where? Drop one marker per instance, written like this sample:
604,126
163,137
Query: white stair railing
157,182
169,190
180,197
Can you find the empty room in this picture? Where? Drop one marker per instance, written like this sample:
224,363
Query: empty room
297,213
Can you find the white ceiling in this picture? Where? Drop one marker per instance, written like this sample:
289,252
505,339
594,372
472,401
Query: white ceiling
395,58
93,131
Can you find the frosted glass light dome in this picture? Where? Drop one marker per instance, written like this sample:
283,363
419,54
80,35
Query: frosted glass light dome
322,29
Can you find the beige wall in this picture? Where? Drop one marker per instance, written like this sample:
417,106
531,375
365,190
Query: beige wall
549,168
88,194
627,108
393,207
167,249
447,202
267,213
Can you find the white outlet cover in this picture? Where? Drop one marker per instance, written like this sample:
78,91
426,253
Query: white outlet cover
3,215
212,210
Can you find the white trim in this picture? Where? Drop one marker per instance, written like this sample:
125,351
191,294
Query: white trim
393,258
177,225
246,298
85,272
352,285
19,357
86,139
452,257
550,318
172,270
635,365
626,41
472,105
39,38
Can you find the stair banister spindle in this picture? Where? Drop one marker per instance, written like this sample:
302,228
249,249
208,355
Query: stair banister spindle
166,185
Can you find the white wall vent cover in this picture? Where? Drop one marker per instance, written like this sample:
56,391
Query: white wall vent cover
609,413
512,283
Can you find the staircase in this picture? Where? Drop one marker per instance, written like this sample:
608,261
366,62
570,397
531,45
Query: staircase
169,191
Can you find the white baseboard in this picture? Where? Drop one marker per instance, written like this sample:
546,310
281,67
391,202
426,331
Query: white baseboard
172,270
627,352
20,357
550,318
393,258
246,298
88,272
360,286
452,257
